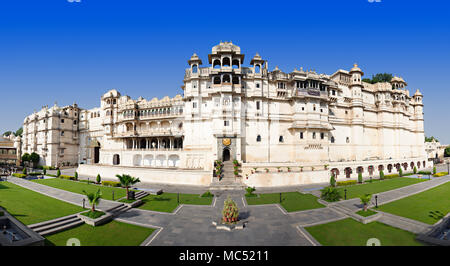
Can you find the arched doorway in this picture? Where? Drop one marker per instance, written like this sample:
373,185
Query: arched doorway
348,171
116,159
226,154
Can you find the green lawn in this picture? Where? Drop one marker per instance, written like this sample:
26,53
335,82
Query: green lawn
349,232
78,187
291,201
418,206
355,191
167,202
31,207
111,234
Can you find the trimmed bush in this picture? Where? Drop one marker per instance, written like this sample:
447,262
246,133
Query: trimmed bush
360,178
58,173
434,170
440,174
76,176
111,183
24,171
424,173
34,174
19,175
415,170
67,177
332,181
346,183
250,190
391,176
51,175
44,171
381,174
99,179
207,194
400,172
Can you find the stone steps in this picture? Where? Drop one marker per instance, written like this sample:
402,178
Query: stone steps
56,225
140,194
119,209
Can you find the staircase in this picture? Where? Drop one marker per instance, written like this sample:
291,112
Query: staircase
140,194
56,225
118,209
228,181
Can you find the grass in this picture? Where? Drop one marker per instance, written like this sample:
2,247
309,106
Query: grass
111,234
93,215
355,191
419,206
366,213
349,232
291,201
31,207
167,202
78,187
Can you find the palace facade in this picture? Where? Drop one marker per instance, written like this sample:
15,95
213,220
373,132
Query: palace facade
263,119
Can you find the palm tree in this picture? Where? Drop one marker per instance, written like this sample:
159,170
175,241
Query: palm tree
94,198
127,181
365,200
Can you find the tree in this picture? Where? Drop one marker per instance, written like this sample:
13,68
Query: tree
360,178
447,152
76,175
93,198
379,77
434,170
381,174
19,132
415,170
99,179
332,181
400,171
330,194
26,157
365,200
126,181
34,158
430,139
7,133
58,173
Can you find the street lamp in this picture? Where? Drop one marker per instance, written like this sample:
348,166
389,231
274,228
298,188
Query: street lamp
448,167
376,201
345,194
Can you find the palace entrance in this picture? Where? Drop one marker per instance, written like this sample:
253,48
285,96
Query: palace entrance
226,154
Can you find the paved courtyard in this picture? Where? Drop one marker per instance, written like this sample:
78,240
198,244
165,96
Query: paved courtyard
266,224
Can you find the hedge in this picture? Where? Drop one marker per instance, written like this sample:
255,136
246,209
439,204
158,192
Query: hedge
346,183
424,173
35,174
440,174
19,175
86,181
111,183
67,177
391,176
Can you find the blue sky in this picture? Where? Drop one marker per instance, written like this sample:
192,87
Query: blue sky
55,50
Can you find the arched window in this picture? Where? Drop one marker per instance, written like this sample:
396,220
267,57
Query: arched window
235,63
216,80
226,62
226,79
332,139
194,69
235,80
116,159
216,63
257,69
258,138
281,139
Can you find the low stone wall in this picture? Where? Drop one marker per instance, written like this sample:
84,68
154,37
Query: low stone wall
276,179
149,175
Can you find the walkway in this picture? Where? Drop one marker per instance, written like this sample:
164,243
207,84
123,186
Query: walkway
63,195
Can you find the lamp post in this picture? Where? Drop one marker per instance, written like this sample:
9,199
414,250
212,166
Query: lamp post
113,195
448,167
345,194
83,203
178,198
280,197
376,201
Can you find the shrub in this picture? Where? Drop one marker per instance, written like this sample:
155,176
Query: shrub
99,179
391,176
381,174
434,170
76,176
207,194
34,174
111,183
400,172
330,194
332,181
250,190
67,177
51,175
58,173
44,171
360,178
87,181
24,171
19,175
346,183
424,173
440,174
415,170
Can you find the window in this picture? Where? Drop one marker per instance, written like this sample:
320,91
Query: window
194,105
62,133
301,135
303,108
314,135
257,105
321,110
332,139
281,139
347,140
226,123
314,107
257,85
62,121
322,135
74,122
258,138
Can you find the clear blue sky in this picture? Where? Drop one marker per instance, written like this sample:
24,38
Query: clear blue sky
55,50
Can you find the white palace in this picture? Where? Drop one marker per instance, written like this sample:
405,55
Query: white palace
269,120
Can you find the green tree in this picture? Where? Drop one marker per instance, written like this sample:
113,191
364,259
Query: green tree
360,178
415,170
76,175
7,133
99,179
430,139
44,171
330,194
447,152
34,158
93,198
400,171
26,157
24,171
379,77
434,170
365,200
58,173
126,181
381,174
332,180
19,132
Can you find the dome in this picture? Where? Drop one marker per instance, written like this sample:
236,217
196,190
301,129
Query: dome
226,47
356,69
